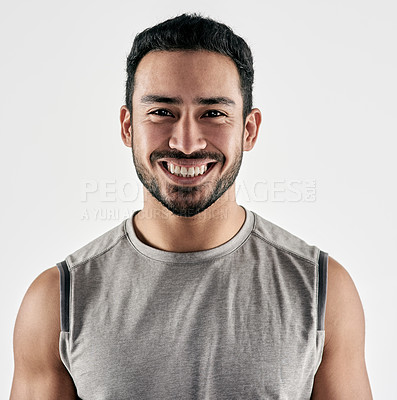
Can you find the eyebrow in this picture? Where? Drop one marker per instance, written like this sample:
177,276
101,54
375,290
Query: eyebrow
154,98
215,100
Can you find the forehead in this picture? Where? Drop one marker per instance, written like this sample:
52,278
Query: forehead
187,73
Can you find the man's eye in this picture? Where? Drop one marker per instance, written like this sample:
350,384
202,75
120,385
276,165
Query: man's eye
213,114
162,113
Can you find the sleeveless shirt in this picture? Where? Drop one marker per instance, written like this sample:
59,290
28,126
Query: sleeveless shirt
244,320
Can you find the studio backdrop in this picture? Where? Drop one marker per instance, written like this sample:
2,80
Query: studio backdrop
323,167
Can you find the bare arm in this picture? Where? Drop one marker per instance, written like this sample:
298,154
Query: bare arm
39,372
342,373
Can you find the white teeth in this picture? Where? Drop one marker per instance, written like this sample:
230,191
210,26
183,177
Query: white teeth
190,171
183,171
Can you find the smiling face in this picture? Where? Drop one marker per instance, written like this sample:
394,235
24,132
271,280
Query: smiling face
188,132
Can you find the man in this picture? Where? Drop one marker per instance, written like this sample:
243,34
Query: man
194,296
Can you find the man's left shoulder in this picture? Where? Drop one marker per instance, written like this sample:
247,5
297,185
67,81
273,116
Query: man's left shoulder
342,372
344,310
284,240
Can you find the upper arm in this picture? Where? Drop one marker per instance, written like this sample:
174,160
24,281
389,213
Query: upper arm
342,373
39,372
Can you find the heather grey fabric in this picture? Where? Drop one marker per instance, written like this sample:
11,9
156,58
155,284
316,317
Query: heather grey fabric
240,321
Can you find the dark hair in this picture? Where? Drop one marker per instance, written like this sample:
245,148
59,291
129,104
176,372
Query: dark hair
193,32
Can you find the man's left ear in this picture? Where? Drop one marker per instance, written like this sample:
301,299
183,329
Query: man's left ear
252,123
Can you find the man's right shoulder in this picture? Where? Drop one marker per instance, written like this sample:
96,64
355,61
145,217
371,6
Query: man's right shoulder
38,319
97,246
39,371
42,300
48,281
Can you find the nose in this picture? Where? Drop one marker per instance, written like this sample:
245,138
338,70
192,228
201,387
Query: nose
187,136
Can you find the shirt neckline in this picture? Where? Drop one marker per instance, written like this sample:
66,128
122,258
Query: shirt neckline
190,257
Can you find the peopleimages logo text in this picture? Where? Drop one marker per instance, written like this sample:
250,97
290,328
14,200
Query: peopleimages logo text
282,190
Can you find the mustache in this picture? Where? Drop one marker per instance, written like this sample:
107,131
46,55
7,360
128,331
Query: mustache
201,155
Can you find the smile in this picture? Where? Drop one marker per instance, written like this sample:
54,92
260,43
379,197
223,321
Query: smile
187,170
184,171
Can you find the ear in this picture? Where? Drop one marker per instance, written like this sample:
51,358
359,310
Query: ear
126,128
252,123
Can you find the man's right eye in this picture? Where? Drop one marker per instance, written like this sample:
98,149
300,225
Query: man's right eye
162,113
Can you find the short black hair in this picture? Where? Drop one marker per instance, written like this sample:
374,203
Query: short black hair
193,32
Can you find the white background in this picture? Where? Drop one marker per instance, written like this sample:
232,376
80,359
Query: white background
325,82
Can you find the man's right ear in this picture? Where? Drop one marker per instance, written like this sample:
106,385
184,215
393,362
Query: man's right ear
126,128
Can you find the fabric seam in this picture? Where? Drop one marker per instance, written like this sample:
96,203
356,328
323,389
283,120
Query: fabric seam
65,296
98,254
322,260
187,261
277,246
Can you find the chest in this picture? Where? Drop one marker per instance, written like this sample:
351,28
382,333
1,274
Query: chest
219,340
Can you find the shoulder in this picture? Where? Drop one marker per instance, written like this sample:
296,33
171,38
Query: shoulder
342,372
39,316
43,288
344,312
283,240
42,295
98,246
39,371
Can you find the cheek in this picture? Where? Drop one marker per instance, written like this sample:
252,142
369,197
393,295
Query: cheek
226,142
147,139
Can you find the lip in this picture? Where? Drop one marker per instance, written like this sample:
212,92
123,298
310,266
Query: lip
187,180
187,162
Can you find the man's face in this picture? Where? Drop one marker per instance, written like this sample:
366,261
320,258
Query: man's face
187,128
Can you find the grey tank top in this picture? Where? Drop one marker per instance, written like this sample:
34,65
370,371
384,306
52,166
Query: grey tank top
244,320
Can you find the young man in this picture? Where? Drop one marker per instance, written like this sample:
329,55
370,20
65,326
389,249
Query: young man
194,296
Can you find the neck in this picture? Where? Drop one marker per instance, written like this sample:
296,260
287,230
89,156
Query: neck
156,226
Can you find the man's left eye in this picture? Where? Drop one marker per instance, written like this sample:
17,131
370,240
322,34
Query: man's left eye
213,114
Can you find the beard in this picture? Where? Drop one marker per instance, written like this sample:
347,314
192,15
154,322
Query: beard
188,201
